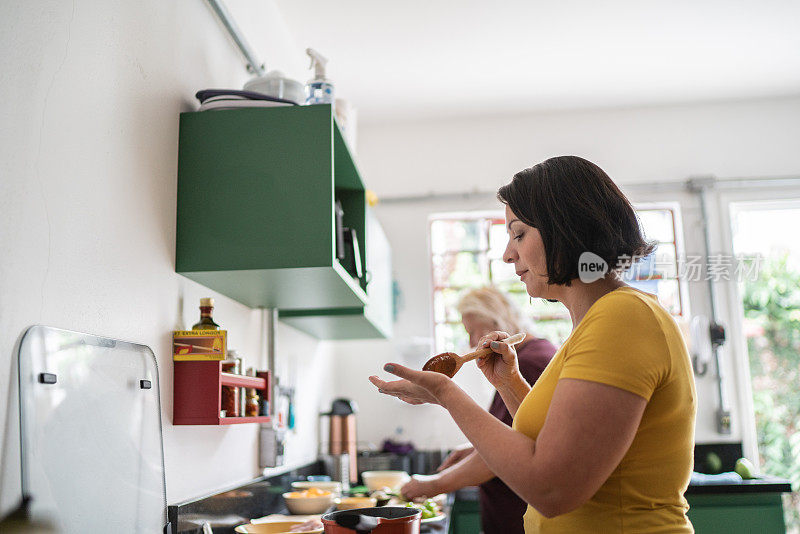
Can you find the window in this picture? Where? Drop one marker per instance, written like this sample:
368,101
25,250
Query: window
771,305
661,272
467,251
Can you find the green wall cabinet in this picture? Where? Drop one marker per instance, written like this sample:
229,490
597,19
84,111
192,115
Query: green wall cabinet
257,189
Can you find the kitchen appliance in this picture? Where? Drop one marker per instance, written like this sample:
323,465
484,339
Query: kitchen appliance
340,452
92,456
352,259
383,520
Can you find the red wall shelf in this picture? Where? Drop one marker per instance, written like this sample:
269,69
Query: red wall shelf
198,393
242,381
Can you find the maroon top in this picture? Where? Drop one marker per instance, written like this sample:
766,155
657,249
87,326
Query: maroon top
501,508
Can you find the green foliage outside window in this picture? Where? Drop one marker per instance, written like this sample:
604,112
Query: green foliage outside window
772,316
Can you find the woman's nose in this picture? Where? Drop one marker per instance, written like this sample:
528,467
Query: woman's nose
510,254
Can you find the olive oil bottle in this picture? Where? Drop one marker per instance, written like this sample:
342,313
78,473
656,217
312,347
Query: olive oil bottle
206,321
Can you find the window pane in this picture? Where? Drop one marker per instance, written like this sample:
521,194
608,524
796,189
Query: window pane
518,296
661,264
669,296
450,337
444,305
464,269
503,274
657,224
456,235
556,331
545,309
498,239
666,291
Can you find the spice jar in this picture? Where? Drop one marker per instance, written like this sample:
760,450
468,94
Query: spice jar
230,395
230,401
252,405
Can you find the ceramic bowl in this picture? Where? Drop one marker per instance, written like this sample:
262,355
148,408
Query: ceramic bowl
333,487
394,480
277,527
350,503
308,505
277,85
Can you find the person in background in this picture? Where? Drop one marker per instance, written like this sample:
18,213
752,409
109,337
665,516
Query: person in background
485,310
604,441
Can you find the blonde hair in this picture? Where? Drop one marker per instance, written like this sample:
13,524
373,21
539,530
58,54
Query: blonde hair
491,304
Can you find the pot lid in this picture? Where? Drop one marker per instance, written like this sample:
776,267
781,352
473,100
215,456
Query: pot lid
343,407
90,425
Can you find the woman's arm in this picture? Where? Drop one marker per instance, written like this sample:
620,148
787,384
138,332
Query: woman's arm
512,393
470,471
588,429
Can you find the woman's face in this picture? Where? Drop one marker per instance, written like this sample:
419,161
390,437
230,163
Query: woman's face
526,251
476,326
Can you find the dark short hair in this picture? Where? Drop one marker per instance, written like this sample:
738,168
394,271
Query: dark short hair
576,208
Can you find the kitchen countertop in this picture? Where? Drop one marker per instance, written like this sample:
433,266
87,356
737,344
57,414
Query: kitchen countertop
764,484
225,510
259,498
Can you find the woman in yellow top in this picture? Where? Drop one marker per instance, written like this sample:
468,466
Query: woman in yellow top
604,440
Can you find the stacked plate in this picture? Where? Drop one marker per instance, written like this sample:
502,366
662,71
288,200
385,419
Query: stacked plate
233,99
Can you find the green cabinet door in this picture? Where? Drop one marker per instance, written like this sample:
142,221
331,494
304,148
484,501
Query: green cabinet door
747,513
465,517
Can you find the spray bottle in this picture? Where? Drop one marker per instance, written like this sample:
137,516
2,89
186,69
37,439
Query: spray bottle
319,89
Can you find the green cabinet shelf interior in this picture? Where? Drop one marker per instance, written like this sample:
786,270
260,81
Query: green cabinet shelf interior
257,189
373,320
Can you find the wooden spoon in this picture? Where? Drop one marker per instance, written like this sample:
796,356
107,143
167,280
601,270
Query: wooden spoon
448,363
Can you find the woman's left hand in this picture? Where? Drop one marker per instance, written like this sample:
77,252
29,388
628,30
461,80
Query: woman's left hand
416,387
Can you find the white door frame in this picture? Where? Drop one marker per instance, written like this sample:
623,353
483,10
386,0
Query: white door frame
754,198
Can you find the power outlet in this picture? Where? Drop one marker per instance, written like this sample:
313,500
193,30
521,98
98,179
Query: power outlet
271,446
723,422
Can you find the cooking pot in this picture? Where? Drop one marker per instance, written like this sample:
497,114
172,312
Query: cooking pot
383,520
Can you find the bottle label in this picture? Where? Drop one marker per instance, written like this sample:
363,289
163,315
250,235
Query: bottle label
188,345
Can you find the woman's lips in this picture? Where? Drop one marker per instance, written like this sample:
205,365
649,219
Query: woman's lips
522,274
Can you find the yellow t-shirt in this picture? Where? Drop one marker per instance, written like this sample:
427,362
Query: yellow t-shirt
627,340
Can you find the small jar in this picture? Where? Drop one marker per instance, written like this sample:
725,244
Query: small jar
230,401
233,356
252,405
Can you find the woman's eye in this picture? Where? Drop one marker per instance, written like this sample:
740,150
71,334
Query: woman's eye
518,237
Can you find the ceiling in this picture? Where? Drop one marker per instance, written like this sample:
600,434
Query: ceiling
422,58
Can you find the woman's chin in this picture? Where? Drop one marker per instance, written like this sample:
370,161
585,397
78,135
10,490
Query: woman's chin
533,291
537,291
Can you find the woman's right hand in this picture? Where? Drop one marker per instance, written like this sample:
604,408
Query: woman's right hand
420,487
500,366
458,454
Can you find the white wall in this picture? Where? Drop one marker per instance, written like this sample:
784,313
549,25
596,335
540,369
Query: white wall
752,138
89,117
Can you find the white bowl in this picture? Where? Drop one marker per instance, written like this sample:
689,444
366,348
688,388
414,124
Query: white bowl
394,480
352,503
275,527
332,486
276,84
308,505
